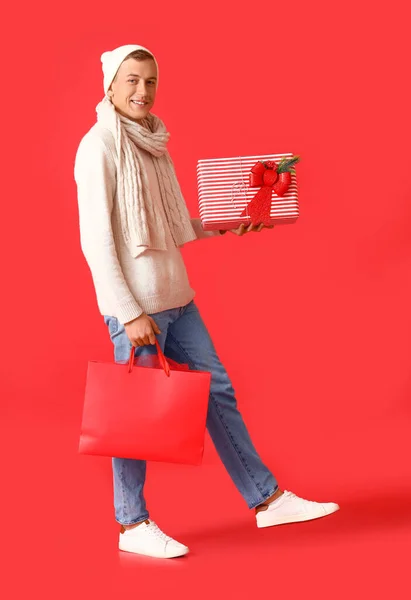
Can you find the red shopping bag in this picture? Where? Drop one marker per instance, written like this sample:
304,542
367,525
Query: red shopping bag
146,412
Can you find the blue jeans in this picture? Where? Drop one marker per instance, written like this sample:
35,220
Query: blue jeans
185,339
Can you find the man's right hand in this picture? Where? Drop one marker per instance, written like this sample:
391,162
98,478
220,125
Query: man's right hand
142,331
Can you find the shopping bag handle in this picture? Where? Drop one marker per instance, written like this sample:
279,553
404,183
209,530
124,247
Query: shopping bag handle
163,361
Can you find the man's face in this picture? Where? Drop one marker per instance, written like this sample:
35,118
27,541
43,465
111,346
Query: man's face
135,81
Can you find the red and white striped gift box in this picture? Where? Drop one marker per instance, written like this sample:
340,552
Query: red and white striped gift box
224,192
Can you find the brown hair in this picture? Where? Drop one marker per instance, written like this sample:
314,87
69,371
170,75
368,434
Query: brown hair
139,55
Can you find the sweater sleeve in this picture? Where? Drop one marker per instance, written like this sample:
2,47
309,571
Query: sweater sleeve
200,233
95,176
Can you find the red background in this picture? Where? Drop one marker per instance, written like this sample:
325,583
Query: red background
312,320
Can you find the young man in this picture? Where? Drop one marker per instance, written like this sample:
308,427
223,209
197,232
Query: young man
133,221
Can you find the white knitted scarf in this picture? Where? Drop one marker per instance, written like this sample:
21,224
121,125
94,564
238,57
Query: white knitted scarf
141,225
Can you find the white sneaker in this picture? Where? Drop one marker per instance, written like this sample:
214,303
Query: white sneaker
289,508
148,539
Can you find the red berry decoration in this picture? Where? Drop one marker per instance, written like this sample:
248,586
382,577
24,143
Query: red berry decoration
270,164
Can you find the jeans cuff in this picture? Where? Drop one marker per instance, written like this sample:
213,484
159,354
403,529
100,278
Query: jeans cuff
264,497
134,521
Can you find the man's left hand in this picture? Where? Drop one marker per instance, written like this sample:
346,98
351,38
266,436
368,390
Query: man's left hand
243,229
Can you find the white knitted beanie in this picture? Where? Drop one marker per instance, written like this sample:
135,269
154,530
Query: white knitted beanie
112,60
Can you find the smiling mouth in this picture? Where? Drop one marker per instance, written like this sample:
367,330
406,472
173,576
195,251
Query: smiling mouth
138,103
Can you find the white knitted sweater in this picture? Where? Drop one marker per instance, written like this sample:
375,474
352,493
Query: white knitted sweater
125,287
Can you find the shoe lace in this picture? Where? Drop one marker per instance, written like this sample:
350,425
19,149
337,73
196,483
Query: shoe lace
155,531
292,495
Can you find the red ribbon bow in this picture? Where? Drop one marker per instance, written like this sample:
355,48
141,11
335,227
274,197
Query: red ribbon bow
263,175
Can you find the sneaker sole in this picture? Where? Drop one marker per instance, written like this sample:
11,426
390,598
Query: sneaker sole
296,519
176,554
